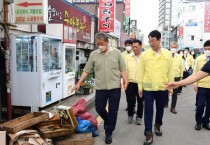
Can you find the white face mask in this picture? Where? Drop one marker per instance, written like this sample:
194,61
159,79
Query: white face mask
128,48
185,52
207,53
173,50
102,48
192,53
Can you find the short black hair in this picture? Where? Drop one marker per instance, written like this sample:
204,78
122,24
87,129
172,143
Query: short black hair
207,43
137,41
129,41
155,33
187,48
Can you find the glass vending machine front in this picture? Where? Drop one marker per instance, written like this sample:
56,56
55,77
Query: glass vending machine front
69,68
51,67
36,73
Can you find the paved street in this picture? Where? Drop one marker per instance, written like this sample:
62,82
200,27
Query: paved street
178,129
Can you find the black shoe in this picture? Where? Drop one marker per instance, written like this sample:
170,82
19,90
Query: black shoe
206,126
198,126
157,129
149,139
108,140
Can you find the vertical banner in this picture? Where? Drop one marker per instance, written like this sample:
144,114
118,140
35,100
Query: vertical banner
207,17
127,8
106,15
127,15
180,30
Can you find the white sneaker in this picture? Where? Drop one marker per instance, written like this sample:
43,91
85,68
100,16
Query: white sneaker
130,119
138,121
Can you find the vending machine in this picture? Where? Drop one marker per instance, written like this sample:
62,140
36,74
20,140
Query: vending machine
36,72
69,68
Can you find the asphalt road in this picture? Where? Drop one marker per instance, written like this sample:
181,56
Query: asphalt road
178,129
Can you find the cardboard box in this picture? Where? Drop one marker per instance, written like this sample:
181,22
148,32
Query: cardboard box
76,139
66,115
26,137
53,128
24,122
3,137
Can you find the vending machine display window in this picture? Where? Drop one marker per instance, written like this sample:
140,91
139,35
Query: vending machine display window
51,54
26,54
70,60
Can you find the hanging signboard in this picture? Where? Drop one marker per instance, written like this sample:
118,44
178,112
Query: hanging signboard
106,15
63,12
207,17
30,12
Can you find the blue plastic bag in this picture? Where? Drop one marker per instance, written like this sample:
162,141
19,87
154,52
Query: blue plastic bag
86,126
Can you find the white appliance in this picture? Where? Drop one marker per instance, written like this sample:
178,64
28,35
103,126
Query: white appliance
68,67
36,73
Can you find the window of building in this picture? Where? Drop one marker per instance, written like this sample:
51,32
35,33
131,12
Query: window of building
192,37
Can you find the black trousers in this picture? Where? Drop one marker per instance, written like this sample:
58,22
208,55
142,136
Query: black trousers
174,95
110,116
132,96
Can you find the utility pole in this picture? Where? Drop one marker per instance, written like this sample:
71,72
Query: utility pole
7,61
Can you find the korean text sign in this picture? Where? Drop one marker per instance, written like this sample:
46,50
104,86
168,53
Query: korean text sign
30,12
106,15
62,12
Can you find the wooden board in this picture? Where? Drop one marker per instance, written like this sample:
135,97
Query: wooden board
24,122
53,128
76,139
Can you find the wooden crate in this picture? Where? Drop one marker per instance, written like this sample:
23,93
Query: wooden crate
24,122
67,116
53,128
76,139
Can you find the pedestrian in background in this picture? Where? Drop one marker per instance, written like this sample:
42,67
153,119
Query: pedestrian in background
178,74
128,48
202,88
189,59
132,62
156,68
108,66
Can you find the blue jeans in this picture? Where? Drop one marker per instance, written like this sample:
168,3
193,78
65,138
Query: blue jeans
203,100
110,117
149,97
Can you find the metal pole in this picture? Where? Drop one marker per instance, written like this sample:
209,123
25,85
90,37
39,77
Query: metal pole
7,62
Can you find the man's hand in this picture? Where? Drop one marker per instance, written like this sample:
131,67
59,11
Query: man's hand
170,92
196,88
171,85
140,93
125,85
76,87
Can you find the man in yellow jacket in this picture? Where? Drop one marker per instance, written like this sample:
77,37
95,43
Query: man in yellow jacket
128,48
156,69
128,51
178,74
189,58
132,63
202,88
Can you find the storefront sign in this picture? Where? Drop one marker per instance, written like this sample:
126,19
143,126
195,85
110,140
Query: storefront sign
127,8
117,28
180,31
64,12
89,1
191,24
207,17
106,15
30,12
